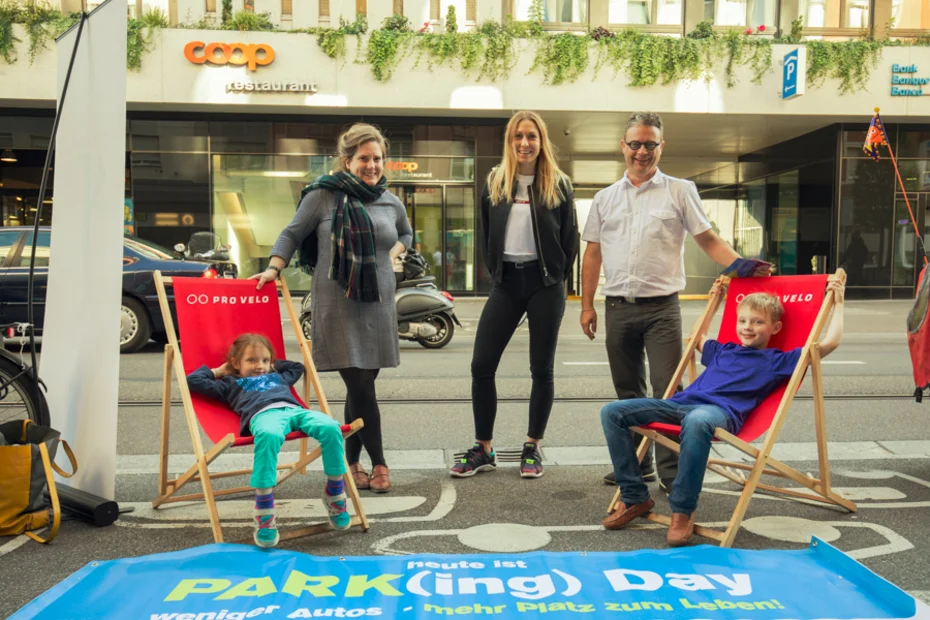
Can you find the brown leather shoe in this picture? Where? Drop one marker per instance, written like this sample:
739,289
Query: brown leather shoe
624,514
380,479
360,476
680,529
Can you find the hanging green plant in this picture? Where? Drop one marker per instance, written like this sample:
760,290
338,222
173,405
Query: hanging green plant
249,21
333,41
227,10
742,49
649,60
452,23
42,23
140,36
563,57
850,62
386,46
8,40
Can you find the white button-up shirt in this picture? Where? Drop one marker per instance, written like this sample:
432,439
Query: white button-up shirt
642,232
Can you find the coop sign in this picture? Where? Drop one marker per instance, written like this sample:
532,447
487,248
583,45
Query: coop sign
252,55
906,83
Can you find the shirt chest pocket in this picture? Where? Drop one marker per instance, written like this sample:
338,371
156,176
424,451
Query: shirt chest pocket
663,224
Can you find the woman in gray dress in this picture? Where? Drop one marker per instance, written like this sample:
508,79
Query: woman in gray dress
360,228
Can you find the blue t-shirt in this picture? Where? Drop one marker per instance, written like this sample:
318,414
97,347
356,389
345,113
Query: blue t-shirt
738,378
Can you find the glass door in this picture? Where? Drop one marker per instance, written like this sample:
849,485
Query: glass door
908,259
424,210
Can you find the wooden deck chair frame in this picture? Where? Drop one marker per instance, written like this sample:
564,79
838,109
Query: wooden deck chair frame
199,471
763,463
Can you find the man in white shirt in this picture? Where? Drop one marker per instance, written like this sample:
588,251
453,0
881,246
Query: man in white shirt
636,228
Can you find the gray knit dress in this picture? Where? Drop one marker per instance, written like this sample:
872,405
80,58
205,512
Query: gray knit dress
348,333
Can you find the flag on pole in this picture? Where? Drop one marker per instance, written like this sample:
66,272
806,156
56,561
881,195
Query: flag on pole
875,137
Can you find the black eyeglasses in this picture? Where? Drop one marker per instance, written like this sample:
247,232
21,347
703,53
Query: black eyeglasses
635,146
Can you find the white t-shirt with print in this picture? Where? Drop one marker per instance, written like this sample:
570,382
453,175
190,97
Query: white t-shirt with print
519,243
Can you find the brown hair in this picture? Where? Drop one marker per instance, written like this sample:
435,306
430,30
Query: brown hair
645,119
764,302
549,177
352,138
241,344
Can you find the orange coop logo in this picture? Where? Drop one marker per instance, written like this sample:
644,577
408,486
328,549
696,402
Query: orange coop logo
249,54
402,166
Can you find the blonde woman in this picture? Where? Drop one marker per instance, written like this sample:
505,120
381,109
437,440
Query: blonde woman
359,229
528,237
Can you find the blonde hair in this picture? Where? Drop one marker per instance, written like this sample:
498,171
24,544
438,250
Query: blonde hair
241,344
764,302
354,137
549,177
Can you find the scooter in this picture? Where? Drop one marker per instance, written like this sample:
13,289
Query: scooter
207,247
424,313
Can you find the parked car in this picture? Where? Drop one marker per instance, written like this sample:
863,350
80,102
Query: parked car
140,318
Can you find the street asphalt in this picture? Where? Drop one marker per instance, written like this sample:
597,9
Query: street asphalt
879,445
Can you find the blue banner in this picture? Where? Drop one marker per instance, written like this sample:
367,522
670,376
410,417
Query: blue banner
234,582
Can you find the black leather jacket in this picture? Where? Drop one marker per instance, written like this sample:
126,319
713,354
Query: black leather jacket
555,231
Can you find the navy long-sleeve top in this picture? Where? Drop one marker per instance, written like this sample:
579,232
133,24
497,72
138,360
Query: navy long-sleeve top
248,396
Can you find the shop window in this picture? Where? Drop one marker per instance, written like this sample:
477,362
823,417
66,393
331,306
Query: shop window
866,215
241,137
42,250
913,143
751,13
854,14
910,14
554,11
645,12
160,136
8,239
171,196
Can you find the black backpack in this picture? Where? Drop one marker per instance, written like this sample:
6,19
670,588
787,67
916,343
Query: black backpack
307,252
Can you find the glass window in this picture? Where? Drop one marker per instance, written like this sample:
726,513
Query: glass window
857,13
814,13
42,250
241,137
460,238
645,12
8,239
171,196
751,13
554,11
254,198
907,13
866,216
916,174
184,136
853,141
905,249
749,224
913,143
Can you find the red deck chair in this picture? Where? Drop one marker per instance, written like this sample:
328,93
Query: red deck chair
806,312
210,315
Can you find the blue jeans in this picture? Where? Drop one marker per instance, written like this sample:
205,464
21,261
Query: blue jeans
697,422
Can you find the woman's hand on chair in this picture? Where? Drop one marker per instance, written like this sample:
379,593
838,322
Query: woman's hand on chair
838,288
269,275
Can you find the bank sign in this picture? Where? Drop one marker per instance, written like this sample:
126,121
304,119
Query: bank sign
906,83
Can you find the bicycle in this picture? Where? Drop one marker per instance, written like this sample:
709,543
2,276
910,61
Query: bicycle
20,396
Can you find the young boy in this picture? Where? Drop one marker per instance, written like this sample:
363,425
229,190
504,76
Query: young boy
737,377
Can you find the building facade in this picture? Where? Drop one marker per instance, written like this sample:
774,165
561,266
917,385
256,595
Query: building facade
225,128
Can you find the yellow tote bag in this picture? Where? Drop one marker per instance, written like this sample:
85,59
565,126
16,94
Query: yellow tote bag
27,462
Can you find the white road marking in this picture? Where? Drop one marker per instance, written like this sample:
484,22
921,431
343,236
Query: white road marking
585,363
16,543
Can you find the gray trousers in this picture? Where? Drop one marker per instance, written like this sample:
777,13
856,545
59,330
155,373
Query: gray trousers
635,331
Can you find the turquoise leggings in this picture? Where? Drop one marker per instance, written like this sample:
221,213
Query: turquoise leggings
269,428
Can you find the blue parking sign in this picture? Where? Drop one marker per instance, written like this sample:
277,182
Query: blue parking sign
794,73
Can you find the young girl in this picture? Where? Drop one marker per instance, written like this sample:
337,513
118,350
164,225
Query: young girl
257,387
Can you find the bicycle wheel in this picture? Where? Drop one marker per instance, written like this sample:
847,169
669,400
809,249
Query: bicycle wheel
17,394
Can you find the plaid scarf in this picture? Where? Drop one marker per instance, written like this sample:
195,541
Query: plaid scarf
353,235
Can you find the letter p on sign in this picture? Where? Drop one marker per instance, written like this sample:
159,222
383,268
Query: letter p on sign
794,76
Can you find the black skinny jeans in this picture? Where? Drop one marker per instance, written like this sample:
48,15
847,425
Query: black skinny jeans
362,402
521,290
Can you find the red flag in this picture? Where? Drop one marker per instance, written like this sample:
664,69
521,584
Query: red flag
875,137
